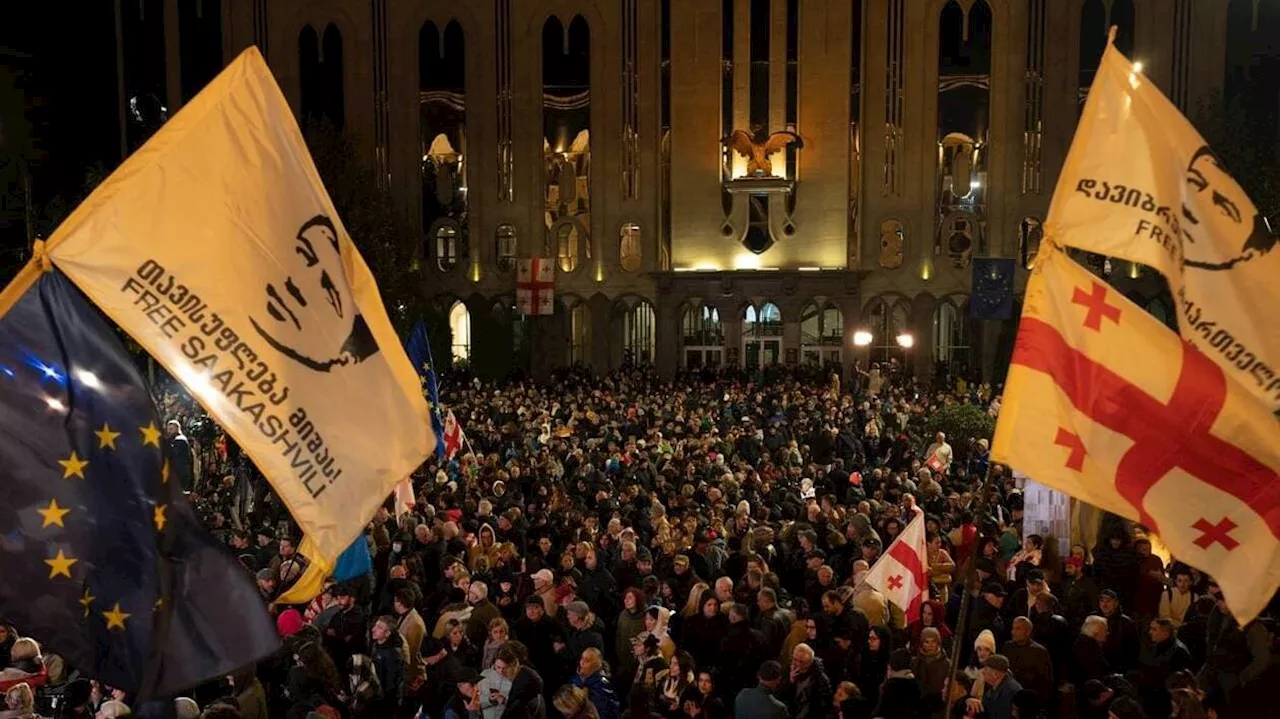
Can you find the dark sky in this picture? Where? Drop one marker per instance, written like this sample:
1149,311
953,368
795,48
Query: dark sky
65,75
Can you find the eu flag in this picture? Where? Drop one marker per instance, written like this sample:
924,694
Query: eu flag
419,350
992,289
103,561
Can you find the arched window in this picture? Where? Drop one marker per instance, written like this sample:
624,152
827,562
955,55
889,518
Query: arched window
320,74
629,247
763,322
703,336
579,333
761,335
460,329
507,247
567,246
637,334
950,337
889,320
444,243
821,334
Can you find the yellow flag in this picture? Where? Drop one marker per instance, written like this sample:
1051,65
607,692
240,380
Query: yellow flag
1105,403
1141,184
217,248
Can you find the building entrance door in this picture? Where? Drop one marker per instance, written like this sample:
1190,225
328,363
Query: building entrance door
761,352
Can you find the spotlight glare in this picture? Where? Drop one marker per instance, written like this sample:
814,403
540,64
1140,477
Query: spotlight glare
55,405
906,341
861,338
88,379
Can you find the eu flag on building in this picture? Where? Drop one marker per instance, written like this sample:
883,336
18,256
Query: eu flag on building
419,350
992,289
102,559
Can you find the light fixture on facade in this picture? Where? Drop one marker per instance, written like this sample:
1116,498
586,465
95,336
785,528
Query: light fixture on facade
861,338
906,341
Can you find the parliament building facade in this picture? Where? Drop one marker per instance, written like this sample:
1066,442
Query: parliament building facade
927,134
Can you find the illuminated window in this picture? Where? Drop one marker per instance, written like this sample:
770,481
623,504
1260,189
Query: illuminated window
637,334
950,336
821,334
507,249
460,329
446,247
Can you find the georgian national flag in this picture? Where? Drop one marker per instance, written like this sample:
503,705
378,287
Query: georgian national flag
902,573
453,437
1106,404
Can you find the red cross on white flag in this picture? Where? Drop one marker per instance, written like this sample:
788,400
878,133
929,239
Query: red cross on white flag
453,436
1106,404
902,573
535,286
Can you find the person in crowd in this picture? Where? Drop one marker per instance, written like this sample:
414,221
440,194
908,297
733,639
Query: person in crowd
1088,655
390,656
1123,641
591,676
1177,598
931,666
1030,661
760,701
1000,688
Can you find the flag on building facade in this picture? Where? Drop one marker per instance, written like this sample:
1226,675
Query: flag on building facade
901,574
102,559
217,248
1106,404
1141,184
992,297
536,286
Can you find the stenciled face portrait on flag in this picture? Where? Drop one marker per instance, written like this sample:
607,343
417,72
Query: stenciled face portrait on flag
1216,206
312,306
218,249
1141,184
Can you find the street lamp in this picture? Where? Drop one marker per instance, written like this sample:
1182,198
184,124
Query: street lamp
906,341
861,338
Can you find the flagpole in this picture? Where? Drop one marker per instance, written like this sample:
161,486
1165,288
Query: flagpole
963,619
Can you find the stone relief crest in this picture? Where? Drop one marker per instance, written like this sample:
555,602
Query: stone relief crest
957,237
893,240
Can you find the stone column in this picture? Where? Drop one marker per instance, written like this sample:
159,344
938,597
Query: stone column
667,335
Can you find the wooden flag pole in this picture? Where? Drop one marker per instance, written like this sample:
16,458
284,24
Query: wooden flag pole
963,619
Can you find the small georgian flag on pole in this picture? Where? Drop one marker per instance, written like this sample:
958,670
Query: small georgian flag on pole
901,574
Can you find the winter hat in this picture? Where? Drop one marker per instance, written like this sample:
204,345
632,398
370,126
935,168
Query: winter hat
544,575
186,708
997,662
289,623
985,639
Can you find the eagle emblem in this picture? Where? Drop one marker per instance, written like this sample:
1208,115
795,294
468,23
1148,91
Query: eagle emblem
759,147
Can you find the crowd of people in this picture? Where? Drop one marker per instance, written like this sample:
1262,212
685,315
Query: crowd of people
620,546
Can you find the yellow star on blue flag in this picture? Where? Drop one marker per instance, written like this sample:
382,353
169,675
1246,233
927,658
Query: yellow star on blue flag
418,347
95,534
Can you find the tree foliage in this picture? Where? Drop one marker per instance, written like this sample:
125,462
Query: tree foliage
961,423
